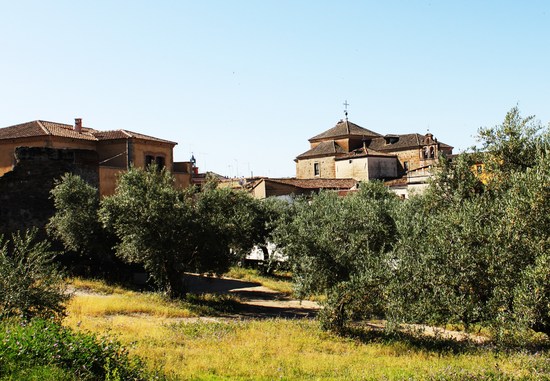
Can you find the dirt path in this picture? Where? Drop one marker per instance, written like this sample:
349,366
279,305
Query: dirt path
256,301
259,302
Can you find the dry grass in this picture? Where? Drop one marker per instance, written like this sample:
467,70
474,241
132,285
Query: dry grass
97,299
229,349
279,281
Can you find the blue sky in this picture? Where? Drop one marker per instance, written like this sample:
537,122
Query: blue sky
244,84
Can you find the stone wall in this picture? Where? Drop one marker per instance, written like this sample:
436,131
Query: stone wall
25,191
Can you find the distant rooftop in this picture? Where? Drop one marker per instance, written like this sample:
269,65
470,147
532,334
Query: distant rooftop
342,129
45,128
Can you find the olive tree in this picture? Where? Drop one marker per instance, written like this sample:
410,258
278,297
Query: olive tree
155,226
170,231
339,247
76,224
470,253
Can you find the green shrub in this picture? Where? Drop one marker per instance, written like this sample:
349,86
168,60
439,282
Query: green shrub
41,343
30,283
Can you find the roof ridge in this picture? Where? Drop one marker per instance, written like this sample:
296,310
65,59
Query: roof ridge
48,132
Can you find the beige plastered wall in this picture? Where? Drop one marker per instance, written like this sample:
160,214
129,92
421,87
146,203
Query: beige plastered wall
141,148
304,168
367,168
356,168
108,178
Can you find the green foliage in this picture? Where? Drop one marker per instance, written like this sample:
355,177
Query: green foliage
225,218
512,146
234,220
41,344
169,231
155,225
469,253
453,181
445,272
339,248
30,283
75,222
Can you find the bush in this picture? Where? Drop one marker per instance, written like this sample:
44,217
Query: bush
41,343
30,283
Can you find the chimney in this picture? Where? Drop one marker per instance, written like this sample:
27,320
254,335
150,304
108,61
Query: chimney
78,125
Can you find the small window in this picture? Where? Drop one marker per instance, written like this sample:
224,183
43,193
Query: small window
316,169
159,161
149,159
406,165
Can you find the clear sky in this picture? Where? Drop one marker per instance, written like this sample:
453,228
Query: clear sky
244,84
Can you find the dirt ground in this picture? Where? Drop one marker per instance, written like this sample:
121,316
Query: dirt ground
259,302
256,301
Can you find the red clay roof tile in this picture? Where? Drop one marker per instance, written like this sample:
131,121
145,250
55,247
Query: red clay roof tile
45,128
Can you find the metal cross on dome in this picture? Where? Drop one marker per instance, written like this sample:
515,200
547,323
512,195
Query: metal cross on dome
346,104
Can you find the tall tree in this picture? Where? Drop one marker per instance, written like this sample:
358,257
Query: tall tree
339,248
155,225
469,256
76,223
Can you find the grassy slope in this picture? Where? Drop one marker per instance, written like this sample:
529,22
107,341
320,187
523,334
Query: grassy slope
167,335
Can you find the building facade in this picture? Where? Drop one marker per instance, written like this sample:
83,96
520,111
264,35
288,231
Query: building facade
351,151
116,150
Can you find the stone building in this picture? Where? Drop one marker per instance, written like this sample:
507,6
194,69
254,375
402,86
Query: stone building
35,154
116,149
269,187
351,151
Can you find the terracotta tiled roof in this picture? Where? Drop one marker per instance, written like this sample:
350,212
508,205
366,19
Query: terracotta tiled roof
329,148
344,128
361,153
405,141
317,183
124,134
396,182
67,131
23,130
45,128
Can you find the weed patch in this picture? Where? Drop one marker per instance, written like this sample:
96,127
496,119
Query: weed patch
204,330
268,349
40,345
